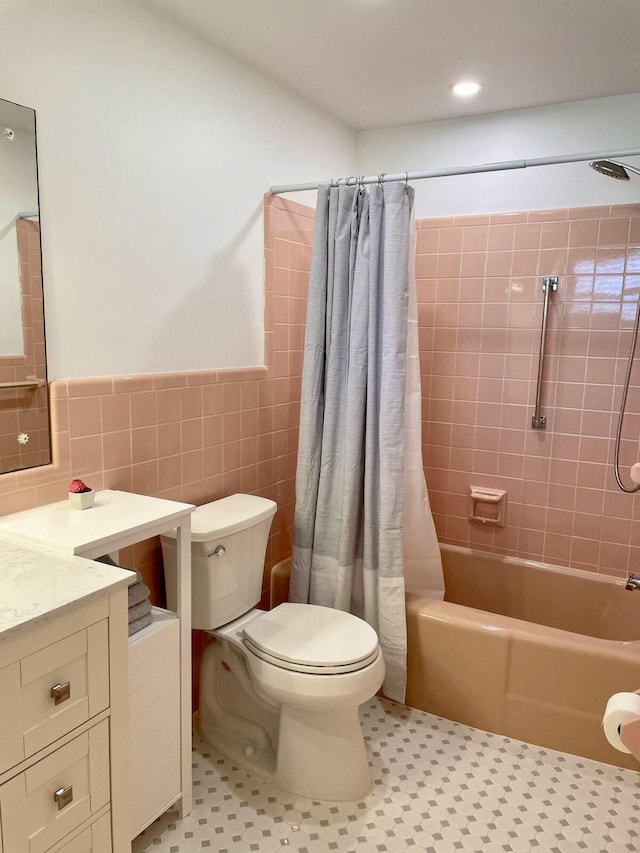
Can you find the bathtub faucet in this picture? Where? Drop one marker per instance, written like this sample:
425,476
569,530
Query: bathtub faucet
632,582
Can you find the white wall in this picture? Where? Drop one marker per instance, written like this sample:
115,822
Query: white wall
155,150
582,126
18,194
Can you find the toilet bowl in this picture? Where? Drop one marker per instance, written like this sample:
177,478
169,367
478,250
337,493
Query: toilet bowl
279,689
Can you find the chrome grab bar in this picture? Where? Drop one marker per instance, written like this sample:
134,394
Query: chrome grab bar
549,284
26,383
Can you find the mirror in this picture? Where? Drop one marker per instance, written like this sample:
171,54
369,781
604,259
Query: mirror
24,399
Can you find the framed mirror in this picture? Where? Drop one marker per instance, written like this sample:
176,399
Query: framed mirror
24,400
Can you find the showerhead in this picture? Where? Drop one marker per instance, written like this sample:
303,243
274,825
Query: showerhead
613,169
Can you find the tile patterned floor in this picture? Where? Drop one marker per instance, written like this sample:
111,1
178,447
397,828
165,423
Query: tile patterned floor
440,787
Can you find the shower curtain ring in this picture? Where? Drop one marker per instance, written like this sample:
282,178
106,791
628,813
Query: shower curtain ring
406,179
381,178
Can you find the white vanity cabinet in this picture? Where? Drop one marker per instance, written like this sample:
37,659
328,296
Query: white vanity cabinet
63,704
158,662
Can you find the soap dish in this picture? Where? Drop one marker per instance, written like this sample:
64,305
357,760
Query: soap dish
488,505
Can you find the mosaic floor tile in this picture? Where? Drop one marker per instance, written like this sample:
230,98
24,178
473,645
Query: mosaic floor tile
439,787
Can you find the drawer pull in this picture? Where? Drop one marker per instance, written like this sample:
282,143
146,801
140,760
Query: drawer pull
61,692
63,796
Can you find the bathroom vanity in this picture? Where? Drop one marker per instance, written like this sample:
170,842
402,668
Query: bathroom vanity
156,729
63,703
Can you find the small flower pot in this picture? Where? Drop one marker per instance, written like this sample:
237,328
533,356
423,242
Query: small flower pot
82,500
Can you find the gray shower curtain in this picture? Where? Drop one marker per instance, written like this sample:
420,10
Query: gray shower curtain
350,483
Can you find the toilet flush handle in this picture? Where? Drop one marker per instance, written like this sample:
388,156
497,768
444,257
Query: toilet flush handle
218,551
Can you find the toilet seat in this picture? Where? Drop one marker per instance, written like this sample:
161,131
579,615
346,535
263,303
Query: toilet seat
326,669
311,639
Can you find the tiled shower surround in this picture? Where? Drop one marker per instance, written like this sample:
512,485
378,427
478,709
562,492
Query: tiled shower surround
479,282
201,435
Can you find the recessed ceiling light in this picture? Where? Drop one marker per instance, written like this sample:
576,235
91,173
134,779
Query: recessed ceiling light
466,88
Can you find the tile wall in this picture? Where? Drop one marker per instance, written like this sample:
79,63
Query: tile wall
201,435
479,282
480,296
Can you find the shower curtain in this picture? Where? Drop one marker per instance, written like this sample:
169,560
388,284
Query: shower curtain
363,530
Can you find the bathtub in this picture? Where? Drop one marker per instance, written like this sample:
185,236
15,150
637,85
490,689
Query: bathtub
524,649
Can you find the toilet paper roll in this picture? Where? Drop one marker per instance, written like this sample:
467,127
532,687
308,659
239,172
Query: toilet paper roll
635,472
621,708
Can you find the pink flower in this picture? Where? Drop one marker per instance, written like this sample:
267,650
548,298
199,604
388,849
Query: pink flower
78,486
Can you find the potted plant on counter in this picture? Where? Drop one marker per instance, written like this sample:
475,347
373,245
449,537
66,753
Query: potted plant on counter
81,496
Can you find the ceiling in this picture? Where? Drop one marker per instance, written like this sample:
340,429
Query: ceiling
382,63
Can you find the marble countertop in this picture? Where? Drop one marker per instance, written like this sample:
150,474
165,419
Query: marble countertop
35,582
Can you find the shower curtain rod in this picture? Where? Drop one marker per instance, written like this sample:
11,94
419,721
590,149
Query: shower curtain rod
460,170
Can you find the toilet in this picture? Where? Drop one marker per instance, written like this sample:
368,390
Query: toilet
279,689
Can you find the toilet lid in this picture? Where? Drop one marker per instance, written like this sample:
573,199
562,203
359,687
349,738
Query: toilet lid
313,639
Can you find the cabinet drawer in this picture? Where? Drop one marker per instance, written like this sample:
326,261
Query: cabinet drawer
52,691
33,818
94,839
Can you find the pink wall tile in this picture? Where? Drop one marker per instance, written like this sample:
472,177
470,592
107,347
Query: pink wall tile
212,400
144,443
144,477
143,406
614,231
450,240
168,405
568,467
554,235
527,235
191,435
169,439
448,266
473,264
115,412
427,240
84,416
583,232
475,238
191,403
499,263
116,449
585,551
501,237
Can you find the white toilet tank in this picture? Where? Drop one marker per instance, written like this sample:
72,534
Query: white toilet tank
228,546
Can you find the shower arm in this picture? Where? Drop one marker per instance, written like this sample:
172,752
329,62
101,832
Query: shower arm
628,167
